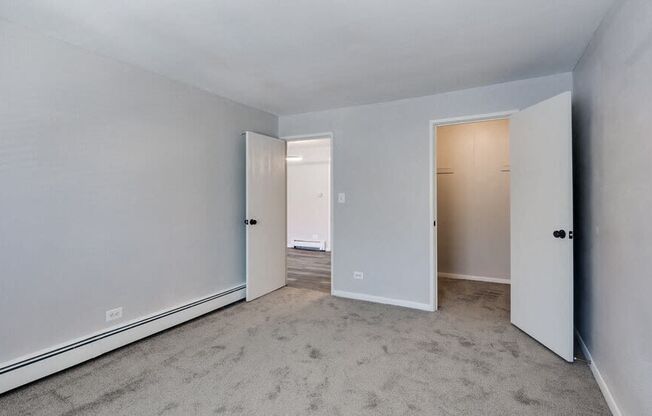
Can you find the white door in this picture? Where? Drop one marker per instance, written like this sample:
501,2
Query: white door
542,223
265,218
436,164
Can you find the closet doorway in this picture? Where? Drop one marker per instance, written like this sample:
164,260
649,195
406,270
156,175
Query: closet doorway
473,201
504,214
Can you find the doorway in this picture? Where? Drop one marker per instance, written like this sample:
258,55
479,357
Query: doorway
473,232
473,241
309,239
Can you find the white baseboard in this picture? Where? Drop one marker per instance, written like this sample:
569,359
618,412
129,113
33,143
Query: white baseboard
43,363
609,398
386,301
501,280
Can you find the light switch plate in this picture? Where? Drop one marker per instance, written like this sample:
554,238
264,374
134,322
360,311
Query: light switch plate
341,198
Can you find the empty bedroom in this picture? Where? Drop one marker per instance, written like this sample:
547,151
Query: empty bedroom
325,208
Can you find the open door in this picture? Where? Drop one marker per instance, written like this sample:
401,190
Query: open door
542,223
265,218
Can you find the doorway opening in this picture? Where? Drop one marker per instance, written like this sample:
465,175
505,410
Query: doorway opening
473,218
309,213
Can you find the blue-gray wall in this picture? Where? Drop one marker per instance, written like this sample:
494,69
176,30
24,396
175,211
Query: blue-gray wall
613,188
117,188
381,161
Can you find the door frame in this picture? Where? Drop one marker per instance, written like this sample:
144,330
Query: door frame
317,136
501,115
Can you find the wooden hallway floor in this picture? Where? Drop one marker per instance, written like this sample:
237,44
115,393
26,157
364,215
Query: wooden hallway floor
309,269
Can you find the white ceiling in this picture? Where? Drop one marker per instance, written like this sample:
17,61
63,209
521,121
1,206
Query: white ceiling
292,56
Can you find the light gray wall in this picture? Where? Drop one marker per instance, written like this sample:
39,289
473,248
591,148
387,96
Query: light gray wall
381,161
117,188
473,199
613,160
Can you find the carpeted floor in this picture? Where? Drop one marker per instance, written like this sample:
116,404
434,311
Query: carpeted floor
302,352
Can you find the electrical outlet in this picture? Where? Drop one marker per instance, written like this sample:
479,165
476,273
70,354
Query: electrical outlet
341,197
114,314
358,275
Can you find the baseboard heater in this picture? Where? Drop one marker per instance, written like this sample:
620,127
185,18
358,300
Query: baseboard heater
487,279
317,245
31,368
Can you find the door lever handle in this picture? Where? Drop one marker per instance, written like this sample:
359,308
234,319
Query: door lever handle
559,234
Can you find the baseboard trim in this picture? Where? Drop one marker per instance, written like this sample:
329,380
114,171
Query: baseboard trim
609,398
43,363
501,280
383,300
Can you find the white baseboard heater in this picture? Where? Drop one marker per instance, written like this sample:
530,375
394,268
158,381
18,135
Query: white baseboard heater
43,363
501,280
318,245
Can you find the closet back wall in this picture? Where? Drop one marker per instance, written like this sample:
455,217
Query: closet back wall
473,199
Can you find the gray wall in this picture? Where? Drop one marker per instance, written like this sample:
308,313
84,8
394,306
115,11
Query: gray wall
117,188
613,160
473,199
381,162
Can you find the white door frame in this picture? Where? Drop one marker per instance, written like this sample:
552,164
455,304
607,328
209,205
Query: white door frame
316,136
433,184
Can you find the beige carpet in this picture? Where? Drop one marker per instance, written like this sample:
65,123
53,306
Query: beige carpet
301,352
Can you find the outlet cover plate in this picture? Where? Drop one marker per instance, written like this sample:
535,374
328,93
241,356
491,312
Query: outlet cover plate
113,314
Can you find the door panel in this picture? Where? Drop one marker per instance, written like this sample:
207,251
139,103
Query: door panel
265,214
541,202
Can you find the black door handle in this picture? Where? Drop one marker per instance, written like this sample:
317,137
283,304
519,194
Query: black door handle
559,234
253,222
